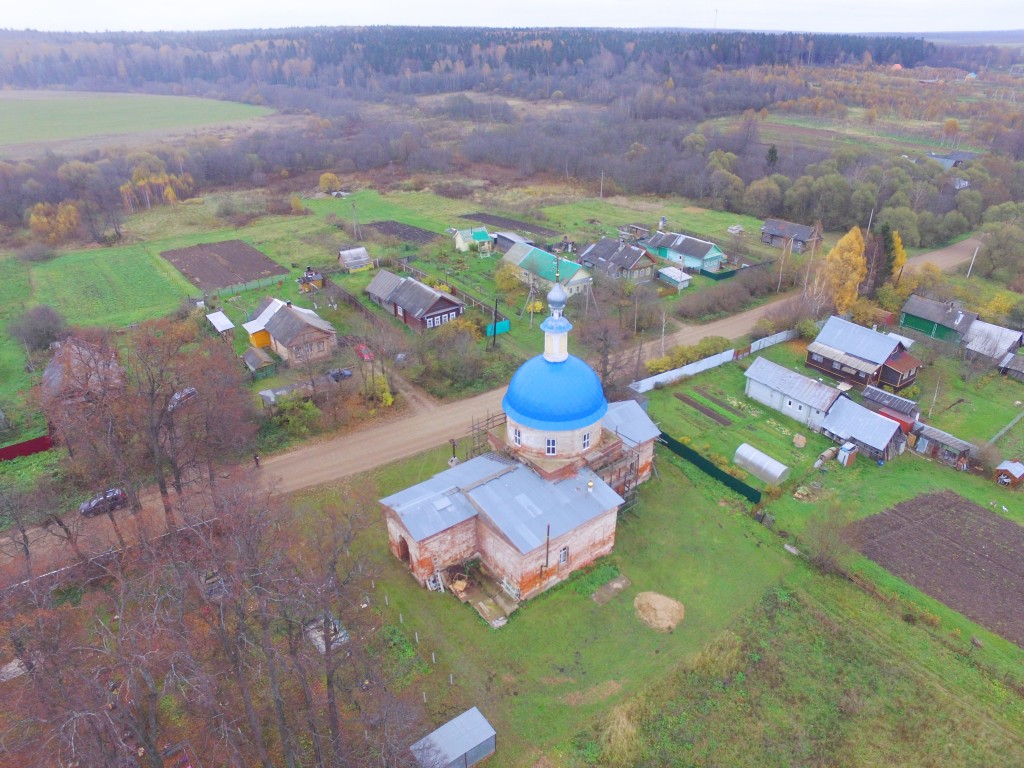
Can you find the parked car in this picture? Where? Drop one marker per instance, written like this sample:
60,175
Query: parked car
364,353
340,373
181,397
101,503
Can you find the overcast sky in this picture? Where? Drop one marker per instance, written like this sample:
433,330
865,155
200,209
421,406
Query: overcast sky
904,16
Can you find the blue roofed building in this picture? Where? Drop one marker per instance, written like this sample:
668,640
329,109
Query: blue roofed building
545,502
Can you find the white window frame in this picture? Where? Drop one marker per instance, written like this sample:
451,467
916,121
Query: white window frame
586,440
550,447
430,322
563,556
517,436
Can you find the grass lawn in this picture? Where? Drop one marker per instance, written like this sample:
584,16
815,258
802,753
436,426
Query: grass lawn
562,659
34,116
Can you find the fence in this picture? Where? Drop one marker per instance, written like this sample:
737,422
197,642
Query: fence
692,369
734,247
231,290
711,469
26,448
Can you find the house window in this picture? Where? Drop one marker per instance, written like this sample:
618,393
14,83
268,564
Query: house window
817,358
789,402
296,351
452,315
320,346
563,556
309,347
861,375
586,440
836,364
430,322
799,407
549,447
399,311
517,436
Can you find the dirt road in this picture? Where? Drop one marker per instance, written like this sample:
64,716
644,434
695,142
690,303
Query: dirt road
424,424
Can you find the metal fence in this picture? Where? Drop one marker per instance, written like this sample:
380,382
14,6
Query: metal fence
231,290
711,469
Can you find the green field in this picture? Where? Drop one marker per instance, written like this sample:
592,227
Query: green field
42,116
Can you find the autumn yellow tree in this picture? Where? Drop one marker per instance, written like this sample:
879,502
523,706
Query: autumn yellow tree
899,254
329,182
845,269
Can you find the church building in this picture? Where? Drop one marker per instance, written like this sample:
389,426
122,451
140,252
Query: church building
545,501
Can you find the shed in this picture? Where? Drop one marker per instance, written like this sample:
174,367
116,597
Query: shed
990,341
221,324
900,409
943,446
459,743
258,363
675,277
1012,365
875,435
1010,473
760,464
788,392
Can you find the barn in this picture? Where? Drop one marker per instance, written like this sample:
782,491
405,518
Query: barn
789,392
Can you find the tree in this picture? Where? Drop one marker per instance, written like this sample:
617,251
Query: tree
845,269
899,255
38,327
771,159
329,182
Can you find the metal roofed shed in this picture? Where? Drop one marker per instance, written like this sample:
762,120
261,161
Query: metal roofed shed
459,743
760,464
220,322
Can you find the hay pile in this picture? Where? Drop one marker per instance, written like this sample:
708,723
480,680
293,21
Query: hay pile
658,612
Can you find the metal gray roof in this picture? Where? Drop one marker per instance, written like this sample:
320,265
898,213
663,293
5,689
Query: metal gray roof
454,739
891,401
220,321
438,503
383,285
944,438
946,314
787,229
684,244
609,253
515,499
418,299
290,321
856,340
990,340
846,419
255,358
630,422
792,384
1015,468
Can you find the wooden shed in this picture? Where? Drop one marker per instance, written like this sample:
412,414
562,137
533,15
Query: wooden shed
459,743
1010,473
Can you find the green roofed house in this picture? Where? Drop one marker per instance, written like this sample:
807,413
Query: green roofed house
688,252
942,320
476,238
541,265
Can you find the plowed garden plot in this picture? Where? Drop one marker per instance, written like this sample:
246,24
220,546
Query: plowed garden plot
404,232
501,221
713,415
210,266
720,403
962,554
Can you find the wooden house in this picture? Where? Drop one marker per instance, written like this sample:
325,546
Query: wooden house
861,356
618,259
942,320
779,233
541,266
294,333
475,239
790,393
690,253
874,435
1010,473
417,305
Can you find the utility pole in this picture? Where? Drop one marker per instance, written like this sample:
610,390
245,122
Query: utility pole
355,223
602,185
972,261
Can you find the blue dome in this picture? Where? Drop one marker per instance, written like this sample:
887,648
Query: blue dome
555,396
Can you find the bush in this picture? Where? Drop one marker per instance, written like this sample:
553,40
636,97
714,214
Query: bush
38,327
35,253
808,329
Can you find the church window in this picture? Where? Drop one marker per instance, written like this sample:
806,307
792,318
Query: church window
563,556
517,436
550,446
586,440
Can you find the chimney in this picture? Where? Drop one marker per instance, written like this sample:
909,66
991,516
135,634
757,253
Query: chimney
288,304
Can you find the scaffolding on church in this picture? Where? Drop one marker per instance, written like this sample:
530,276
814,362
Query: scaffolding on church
478,432
621,472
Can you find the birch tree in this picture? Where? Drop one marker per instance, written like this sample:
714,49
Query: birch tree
845,269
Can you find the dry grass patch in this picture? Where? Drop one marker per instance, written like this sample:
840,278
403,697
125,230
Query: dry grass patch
593,694
658,611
